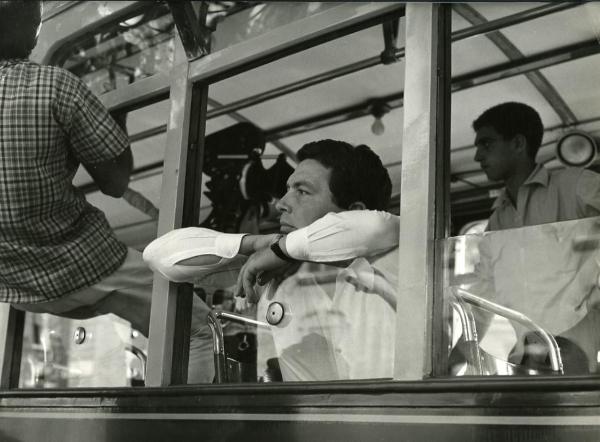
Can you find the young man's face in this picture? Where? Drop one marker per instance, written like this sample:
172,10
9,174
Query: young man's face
496,156
308,197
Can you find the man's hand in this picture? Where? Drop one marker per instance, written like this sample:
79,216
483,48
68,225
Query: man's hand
261,266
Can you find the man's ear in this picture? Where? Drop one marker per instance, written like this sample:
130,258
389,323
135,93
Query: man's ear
357,205
520,143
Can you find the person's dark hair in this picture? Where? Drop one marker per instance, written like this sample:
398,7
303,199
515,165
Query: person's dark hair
19,21
510,119
357,173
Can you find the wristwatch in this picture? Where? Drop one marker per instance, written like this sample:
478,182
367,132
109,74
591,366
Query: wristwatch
278,252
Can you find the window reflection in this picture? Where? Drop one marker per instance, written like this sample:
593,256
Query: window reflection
316,322
546,274
128,51
65,353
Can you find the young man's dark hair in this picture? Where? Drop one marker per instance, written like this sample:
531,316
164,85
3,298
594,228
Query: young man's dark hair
357,173
19,22
512,118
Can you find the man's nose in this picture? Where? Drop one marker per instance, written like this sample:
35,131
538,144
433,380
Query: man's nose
478,155
282,204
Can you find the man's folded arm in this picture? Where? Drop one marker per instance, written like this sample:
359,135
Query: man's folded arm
344,235
183,254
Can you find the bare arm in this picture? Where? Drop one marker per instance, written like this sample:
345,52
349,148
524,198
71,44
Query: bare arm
95,138
112,177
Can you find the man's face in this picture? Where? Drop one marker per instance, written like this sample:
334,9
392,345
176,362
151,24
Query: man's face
496,156
308,197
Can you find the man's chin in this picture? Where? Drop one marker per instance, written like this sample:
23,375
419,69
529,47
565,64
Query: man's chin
491,176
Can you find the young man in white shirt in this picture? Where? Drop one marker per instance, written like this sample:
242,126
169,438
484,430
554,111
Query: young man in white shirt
536,270
337,320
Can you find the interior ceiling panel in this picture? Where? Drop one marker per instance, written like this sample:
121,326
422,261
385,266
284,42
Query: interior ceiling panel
496,10
473,53
344,91
350,49
216,124
582,90
148,117
552,31
388,145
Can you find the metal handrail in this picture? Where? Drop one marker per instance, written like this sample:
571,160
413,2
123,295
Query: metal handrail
216,328
220,359
513,315
141,355
241,319
469,330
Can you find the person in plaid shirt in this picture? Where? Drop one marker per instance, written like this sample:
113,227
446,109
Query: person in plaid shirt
58,253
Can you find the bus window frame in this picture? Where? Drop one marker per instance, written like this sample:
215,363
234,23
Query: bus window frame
425,177
200,73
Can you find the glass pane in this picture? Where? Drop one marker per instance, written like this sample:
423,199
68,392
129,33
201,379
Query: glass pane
524,301
508,119
562,92
66,353
315,321
124,52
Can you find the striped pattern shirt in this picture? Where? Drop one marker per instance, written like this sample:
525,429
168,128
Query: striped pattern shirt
52,241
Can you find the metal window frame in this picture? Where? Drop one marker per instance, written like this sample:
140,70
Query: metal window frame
425,187
199,74
162,332
11,345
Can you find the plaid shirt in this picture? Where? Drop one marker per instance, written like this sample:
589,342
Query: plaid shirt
52,241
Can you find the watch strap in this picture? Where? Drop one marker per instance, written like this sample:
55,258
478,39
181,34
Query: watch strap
279,253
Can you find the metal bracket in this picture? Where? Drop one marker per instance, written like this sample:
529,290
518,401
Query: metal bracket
391,53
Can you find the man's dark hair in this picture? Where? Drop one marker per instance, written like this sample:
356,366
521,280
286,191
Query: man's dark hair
357,173
510,119
19,21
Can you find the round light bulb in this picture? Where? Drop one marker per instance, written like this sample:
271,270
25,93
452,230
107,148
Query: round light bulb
377,127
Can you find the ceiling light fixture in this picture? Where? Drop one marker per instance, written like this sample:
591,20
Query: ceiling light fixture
577,149
378,110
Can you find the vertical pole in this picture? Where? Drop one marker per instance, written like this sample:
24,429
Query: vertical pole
423,140
163,317
170,318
